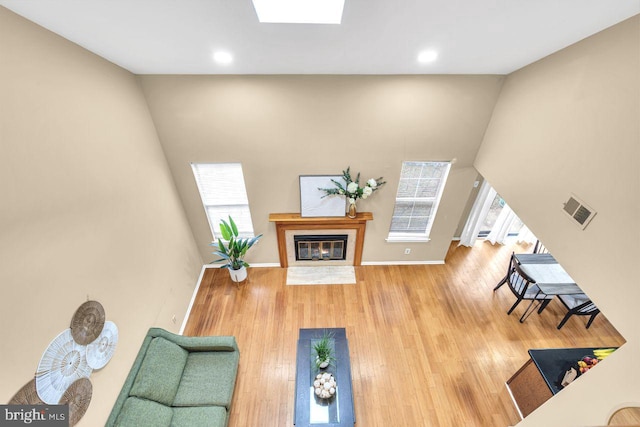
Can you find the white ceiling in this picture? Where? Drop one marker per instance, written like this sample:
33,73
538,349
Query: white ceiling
375,37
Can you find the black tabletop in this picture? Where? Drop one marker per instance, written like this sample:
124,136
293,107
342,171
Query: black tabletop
309,409
554,362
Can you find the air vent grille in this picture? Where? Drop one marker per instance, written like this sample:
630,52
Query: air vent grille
571,206
579,212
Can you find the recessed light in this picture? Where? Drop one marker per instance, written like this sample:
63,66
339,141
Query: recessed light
222,57
299,11
427,56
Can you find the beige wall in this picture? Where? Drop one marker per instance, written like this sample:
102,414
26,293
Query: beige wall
89,209
570,124
280,127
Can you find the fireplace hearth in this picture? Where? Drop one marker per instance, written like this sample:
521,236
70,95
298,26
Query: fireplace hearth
323,247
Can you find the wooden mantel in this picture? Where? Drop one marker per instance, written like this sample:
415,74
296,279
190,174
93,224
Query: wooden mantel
293,221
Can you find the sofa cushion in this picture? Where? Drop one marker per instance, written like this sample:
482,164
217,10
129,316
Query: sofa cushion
199,416
208,379
159,375
140,412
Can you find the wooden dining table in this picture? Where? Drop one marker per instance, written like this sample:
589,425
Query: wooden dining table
548,275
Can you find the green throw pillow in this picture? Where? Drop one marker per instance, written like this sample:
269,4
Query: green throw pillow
161,371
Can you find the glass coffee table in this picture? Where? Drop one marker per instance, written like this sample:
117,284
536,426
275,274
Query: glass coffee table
310,410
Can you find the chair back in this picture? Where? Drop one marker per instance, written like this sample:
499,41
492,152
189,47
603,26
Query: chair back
587,308
519,281
539,248
579,304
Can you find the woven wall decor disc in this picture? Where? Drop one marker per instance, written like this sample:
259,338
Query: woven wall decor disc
62,363
99,352
78,397
27,395
87,322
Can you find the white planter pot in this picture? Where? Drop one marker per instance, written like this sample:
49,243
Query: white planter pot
320,364
238,275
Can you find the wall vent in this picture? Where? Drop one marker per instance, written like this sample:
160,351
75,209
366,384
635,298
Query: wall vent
578,211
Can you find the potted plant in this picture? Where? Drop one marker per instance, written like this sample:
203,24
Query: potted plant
232,248
324,350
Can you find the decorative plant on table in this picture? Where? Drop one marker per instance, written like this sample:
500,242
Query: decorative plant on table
324,350
233,251
352,190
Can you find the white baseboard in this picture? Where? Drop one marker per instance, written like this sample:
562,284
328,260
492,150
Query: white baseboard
193,298
275,264
513,399
436,262
258,265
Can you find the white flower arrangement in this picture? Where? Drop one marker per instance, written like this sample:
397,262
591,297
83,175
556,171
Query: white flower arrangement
352,190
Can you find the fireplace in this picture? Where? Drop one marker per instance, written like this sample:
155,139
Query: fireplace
320,247
290,225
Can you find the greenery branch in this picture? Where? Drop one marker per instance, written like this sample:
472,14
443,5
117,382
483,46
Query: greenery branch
352,189
323,349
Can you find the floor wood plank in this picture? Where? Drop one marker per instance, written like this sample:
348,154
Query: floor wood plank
431,345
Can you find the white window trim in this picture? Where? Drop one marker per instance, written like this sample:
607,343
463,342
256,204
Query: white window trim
409,238
402,237
214,227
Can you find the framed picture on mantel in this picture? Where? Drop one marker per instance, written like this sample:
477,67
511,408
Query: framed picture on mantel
312,202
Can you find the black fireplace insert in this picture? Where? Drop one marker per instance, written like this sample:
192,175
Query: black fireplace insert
320,247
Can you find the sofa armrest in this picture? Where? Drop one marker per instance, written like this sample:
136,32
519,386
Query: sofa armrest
211,343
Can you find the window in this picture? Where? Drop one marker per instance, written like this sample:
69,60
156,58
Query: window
223,193
497,205
419,192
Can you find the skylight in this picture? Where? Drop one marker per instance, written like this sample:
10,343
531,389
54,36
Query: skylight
299,11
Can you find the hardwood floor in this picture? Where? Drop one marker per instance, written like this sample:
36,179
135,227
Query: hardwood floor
431,345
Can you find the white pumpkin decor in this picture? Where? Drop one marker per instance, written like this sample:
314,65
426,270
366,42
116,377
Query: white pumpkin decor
325,385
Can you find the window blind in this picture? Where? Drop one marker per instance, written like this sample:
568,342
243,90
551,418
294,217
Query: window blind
223,193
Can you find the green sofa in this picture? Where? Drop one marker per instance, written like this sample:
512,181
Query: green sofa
178,381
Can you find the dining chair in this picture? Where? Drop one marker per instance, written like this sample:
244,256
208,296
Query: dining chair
509,271
524,287
579,305
545,258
